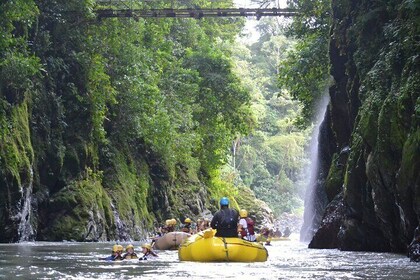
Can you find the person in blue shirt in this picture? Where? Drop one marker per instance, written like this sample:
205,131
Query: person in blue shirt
116,254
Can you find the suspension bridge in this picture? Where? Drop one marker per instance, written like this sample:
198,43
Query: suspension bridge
140,9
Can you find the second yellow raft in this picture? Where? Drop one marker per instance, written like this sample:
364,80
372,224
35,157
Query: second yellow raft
205,247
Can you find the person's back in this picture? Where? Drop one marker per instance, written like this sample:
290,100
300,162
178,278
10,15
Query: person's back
225,221
246,226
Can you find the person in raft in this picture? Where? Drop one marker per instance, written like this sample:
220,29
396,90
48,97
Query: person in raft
225,221
198,225
206,224
168,227
147,252
130,254
163,229
116,254
267,234
287,232
246,226
171,226
187,226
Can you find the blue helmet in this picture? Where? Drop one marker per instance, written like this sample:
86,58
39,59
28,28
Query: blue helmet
224,201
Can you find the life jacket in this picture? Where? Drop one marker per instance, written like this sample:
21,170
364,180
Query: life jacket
130,256
228,220
267,233
186,228
250,227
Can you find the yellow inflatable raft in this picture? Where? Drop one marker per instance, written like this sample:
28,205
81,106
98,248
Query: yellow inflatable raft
171,240
205,247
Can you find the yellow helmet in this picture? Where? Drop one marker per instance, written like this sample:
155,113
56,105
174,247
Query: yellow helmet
147,246
115,248
187,221
173,221
129,247
120,248
243,213
168,222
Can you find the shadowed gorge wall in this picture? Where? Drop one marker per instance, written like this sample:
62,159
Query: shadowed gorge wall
374,175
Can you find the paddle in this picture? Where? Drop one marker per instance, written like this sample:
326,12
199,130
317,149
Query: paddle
152,243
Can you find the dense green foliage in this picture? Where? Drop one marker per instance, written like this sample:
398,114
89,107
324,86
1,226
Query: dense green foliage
271,159
305,70
135,114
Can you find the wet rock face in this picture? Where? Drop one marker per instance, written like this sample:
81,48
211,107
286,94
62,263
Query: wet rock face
414,247
16,174
326,237
376,68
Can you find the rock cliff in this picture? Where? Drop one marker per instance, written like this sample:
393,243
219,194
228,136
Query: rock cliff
373,183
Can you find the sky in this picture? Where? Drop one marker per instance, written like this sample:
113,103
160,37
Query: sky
250,24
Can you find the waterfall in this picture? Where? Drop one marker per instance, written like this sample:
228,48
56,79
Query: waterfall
311,216
120,227
25,230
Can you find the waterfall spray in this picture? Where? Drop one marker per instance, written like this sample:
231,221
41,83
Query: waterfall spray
25,230
312,202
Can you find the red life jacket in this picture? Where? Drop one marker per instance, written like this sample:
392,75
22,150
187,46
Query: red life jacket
250,227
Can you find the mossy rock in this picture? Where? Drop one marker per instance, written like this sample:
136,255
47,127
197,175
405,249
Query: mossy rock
188,199
368,120
127,183
335,178
257,209
355,177
16,161
408,181
16,153
391,129
80,212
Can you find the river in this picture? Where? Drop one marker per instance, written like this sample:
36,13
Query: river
287,260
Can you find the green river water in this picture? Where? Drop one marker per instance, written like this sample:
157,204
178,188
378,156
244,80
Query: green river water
287,260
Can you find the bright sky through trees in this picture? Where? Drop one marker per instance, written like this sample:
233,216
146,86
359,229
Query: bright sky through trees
251,22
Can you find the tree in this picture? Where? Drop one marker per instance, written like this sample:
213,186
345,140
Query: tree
304,72
270,159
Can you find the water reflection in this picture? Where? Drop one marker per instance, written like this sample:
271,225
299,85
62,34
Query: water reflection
287,260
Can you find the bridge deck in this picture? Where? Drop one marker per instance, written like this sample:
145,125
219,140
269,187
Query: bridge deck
195,13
